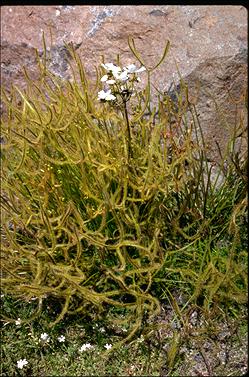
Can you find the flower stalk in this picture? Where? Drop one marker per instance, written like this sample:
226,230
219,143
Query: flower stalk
128,128
119,88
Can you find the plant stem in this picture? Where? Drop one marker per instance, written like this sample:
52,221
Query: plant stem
128,130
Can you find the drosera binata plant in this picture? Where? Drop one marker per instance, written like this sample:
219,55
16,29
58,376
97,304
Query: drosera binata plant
73,231
106,207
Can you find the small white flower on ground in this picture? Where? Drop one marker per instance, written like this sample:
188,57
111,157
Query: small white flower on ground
107,96
85,347
108,346
141,339
21,363
61,338
45,337
18,321
102,329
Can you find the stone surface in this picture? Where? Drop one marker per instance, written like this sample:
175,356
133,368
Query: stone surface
219,82
196,33
13,58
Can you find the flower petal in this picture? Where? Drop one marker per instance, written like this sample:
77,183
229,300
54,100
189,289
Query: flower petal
101,94
130,68
141,69
104,78
110,97
111,67
110,82
121,76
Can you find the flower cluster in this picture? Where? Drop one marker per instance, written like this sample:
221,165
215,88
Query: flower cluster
45,338
119,81
86,346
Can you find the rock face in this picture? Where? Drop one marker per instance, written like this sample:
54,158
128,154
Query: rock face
219,83
208,43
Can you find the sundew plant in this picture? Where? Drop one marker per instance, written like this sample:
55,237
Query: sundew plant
108,203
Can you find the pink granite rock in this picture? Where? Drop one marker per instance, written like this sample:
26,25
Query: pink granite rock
196,34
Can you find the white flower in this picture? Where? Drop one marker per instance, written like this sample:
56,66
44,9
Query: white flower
105,78
111,67
107,96
108,346
131,68
123,76
141,69
102,330
45,337
18,321
85,347
61,338
101,94
21,363
119,76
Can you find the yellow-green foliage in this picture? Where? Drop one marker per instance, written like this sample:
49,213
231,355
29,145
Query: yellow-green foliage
89,209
